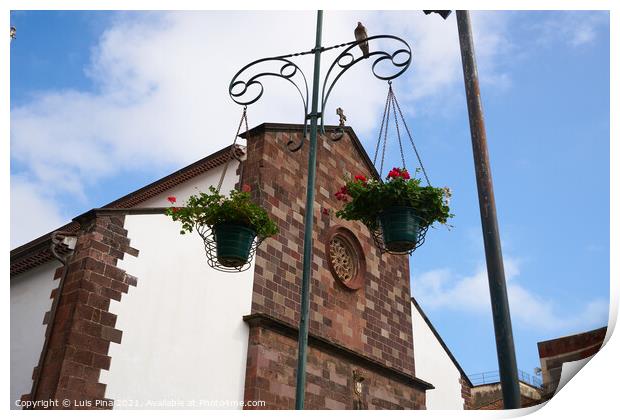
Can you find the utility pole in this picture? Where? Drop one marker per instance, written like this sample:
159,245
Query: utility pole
490,230
509,376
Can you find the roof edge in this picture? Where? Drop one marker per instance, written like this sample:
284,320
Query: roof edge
441,342
267,321
584,334
24,249
126,199
287,127
35,252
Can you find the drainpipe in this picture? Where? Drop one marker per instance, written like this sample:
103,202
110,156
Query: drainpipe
62,247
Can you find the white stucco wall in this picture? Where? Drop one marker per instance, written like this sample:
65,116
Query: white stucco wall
30,300
569,370
183,335
433,365
197,184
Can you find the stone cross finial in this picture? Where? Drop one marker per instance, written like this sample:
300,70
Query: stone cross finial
341,115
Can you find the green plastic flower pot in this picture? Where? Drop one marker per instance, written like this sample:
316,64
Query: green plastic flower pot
233,244
400,228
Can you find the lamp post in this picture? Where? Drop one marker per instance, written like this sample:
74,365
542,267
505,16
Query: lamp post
490,230
238,90
302,342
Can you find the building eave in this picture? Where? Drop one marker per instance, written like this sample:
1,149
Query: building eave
571,343
285,127
282,327
441,342
37,251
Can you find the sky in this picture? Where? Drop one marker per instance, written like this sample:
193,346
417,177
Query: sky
103,103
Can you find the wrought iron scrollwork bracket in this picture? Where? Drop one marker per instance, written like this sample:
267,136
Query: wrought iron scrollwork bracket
352,55
246,91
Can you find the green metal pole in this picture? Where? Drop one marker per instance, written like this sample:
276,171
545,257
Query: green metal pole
309,222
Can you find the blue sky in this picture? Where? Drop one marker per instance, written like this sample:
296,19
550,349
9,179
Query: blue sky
104,102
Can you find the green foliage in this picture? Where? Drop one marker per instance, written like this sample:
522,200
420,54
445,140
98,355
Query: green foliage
365,200
213,208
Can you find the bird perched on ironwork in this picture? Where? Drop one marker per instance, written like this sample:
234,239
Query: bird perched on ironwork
360,34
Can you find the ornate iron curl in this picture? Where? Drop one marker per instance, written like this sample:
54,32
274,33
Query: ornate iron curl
346,60
208,236
287,71
343,62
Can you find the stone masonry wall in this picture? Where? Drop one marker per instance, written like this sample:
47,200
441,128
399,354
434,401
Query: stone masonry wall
374,320
272,362
466,394
83,327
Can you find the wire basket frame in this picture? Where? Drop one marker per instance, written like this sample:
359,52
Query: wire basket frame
207,235
393,111
377,236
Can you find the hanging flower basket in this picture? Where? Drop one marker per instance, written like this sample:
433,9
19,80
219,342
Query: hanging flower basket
400,227
233,244
398,212
231,227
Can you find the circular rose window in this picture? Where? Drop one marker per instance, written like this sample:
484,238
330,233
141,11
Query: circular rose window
345,258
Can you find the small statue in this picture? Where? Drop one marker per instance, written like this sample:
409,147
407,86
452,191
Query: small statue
341,115
358,391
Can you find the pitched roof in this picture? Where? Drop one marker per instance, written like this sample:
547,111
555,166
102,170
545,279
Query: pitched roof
37,251
441,342
282,127
572,343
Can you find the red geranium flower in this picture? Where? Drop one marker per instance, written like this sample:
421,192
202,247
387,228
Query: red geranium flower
394,173
397,172
360,178
172,199
175,209
341,194
246,188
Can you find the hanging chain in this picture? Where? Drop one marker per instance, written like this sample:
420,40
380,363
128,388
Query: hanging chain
387,123
233,147
400,143
415,149
391,106
387,101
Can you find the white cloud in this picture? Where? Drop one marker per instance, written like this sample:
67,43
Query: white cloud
575,28
32,213
443,289
437,69
160,92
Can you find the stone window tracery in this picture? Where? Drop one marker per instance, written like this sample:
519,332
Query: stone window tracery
345,258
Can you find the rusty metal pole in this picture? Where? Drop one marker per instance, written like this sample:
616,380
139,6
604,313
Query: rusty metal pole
490,230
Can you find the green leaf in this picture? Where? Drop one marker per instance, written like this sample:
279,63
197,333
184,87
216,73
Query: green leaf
213,208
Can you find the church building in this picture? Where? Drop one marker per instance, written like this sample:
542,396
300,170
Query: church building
116,309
